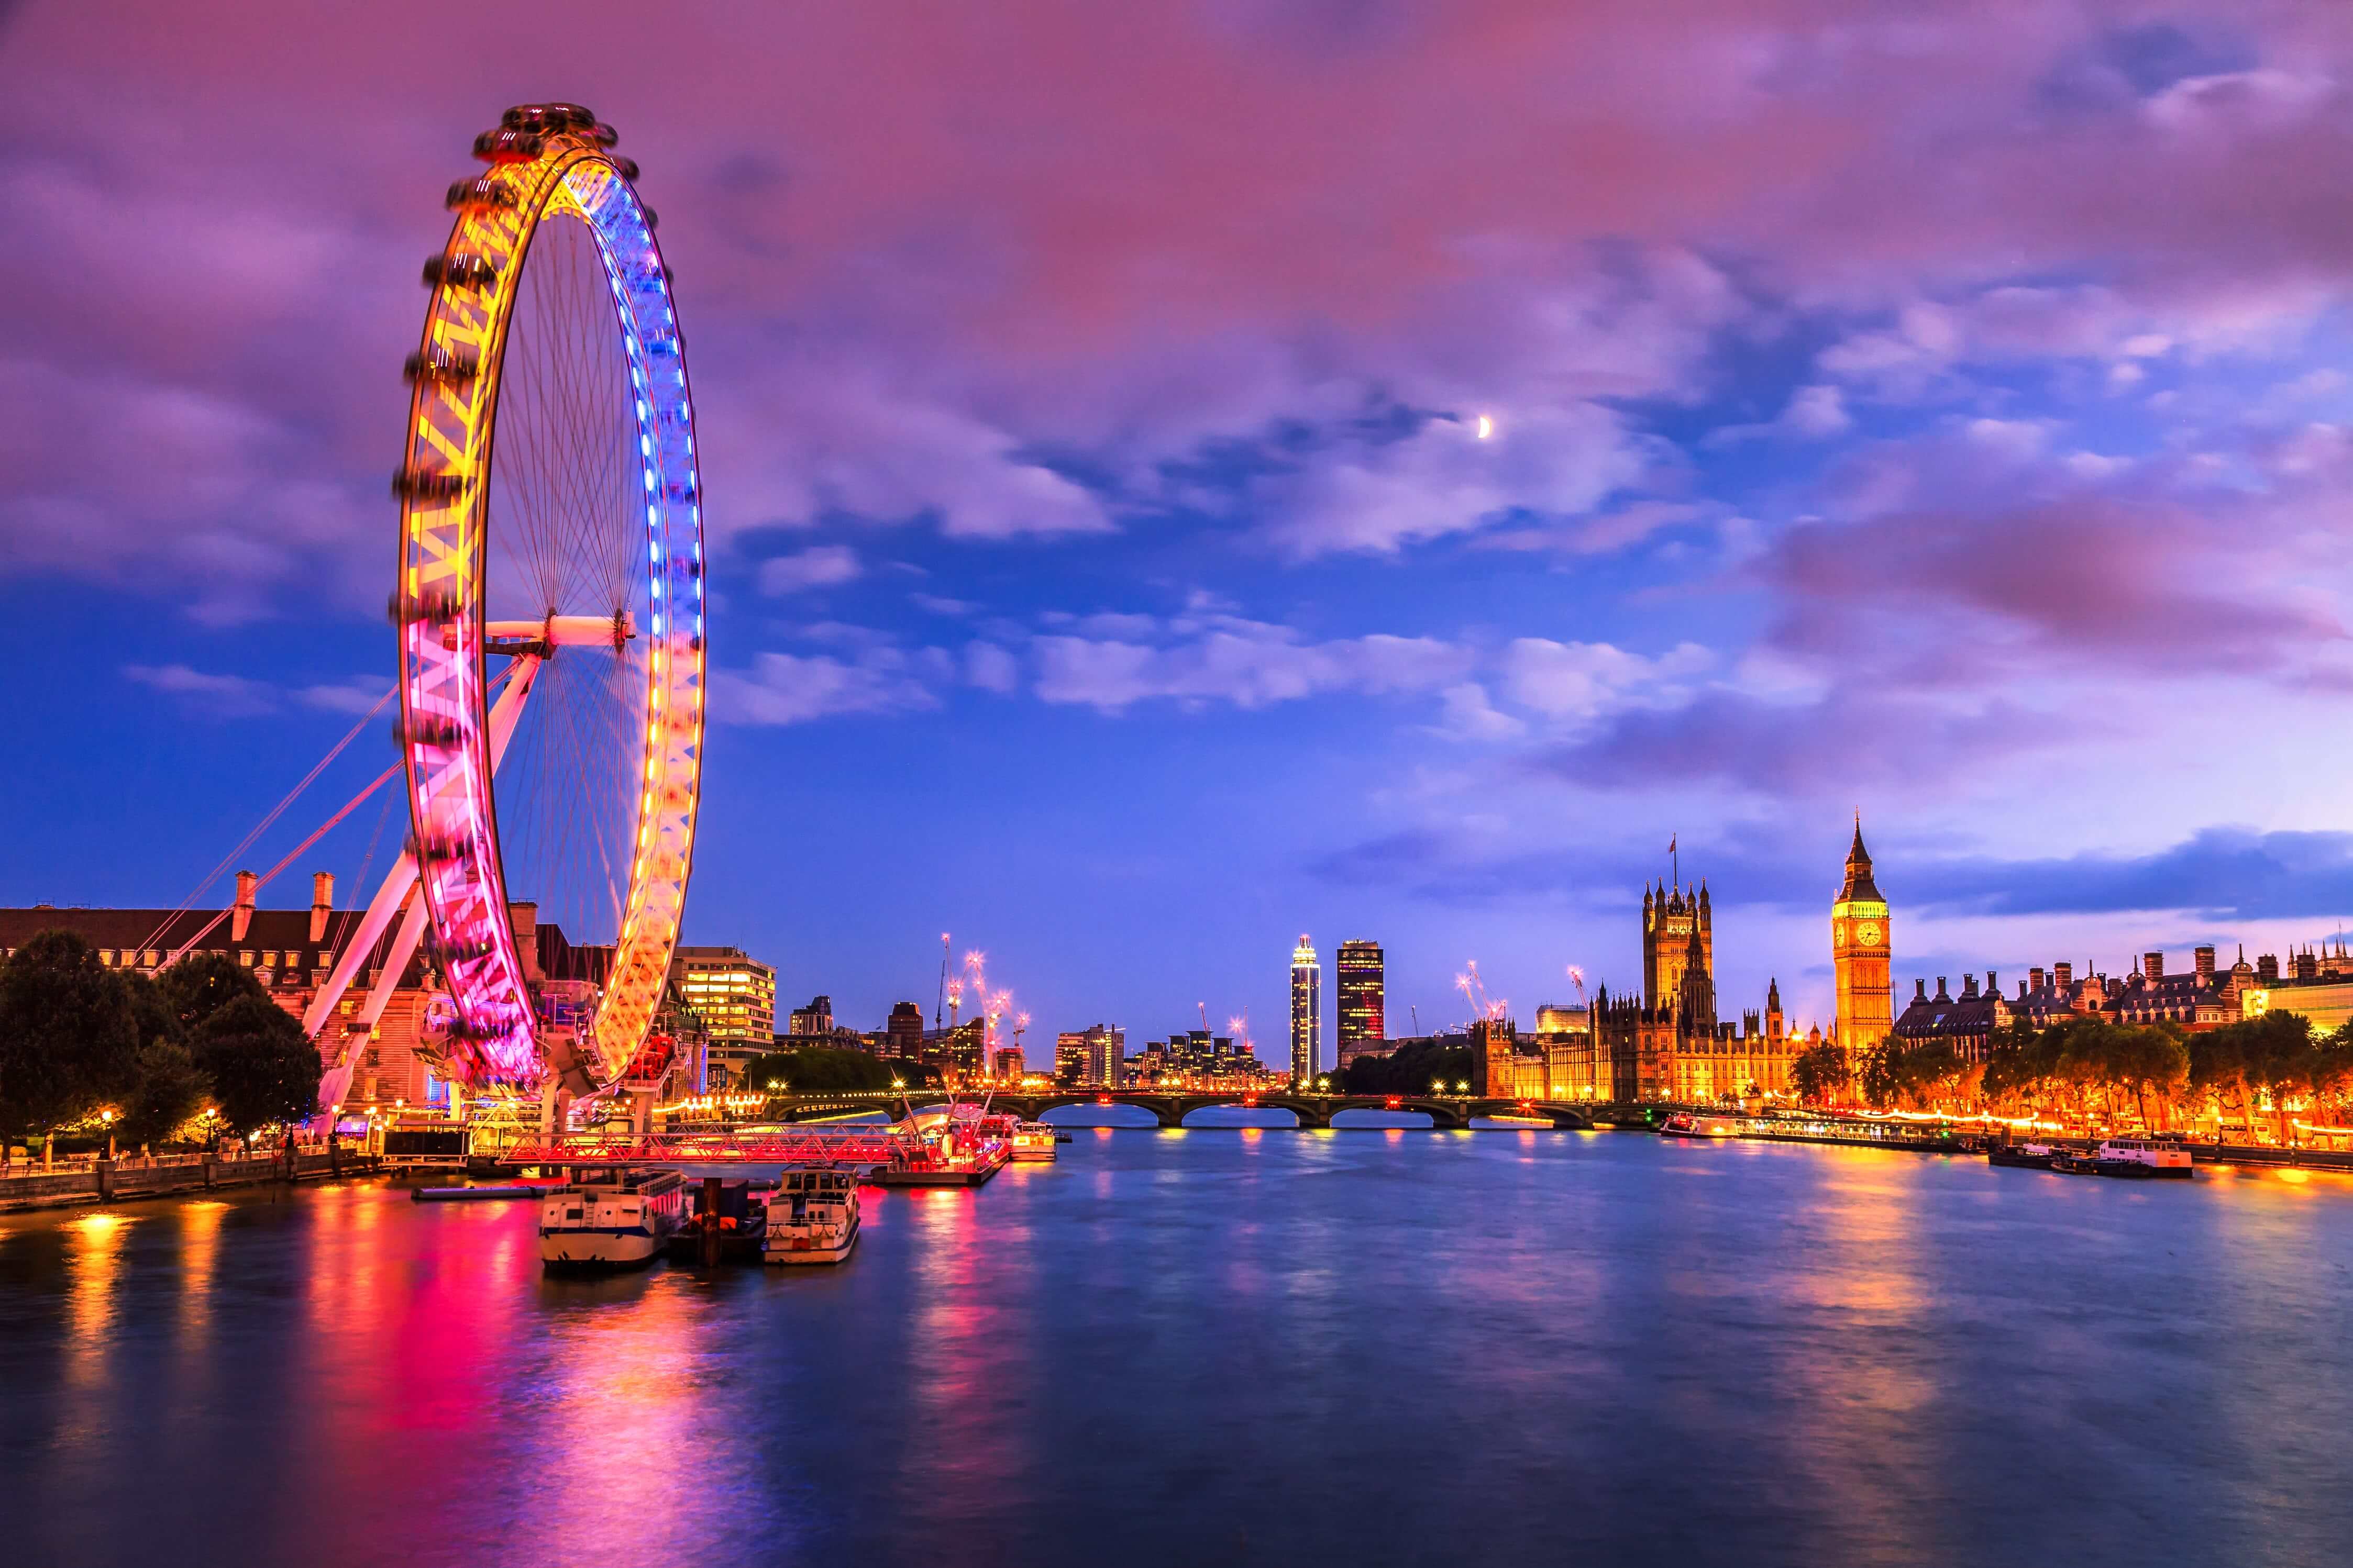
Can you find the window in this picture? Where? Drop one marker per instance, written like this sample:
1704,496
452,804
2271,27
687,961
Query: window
153,958
244,956
106,955
270,959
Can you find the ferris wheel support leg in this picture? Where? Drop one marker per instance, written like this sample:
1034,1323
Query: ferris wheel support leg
395,964
398,883
380,910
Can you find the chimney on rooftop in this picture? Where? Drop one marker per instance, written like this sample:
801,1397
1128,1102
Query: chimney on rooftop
2152,964
1919,991
2205,956
2063,975
1993,984
241,913
2034,975
1968,986
1942,994
322,902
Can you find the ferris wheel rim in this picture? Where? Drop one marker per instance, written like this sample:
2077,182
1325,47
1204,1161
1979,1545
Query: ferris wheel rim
546,161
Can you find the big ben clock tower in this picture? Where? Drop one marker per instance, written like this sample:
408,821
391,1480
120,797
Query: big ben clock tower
1859,952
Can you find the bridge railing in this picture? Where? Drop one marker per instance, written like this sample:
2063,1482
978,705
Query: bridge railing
784,1146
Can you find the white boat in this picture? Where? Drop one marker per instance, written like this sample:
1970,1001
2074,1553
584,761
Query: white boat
1034,1141
812,1217
1685,1124
614,1221
2142,1157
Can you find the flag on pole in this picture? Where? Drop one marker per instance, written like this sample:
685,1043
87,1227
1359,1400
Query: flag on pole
1671,843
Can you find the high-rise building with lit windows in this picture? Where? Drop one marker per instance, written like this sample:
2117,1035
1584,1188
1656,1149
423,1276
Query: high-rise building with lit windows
1363,999
735,997
1306,1011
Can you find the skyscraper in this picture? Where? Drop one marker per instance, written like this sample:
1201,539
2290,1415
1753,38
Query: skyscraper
1860,949
1306,1011
1361,998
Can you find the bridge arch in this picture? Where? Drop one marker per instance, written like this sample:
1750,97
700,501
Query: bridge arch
1123,1112
1248,1116
1382,1119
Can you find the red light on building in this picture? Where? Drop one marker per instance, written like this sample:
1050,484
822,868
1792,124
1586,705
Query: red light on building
1394,1101
1102,1099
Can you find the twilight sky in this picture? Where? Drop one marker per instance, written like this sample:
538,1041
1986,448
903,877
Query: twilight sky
1934,409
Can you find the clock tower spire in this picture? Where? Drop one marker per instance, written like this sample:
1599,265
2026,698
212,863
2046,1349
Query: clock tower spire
1860,950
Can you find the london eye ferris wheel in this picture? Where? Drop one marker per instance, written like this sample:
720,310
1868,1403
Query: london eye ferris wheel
549,604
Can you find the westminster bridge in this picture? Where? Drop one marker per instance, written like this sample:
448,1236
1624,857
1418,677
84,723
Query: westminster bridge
1170,1107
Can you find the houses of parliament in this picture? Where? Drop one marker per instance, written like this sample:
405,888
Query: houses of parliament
1668,1042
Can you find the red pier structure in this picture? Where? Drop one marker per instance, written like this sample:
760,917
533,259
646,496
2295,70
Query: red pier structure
803,1146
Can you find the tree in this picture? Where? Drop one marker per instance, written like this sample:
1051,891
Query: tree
263,1068
201,985
171,1087
819,1069
170,1090
2238,1061
69,1041
1817,1074
1411,1069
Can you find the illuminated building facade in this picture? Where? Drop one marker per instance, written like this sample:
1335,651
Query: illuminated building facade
817,1019
1091,1058
1306,1011
1572,1068
960,1054
735,996
1195,1058
1668,1044
1678,932
1363,1022
1860,948
902,1036
1967,1023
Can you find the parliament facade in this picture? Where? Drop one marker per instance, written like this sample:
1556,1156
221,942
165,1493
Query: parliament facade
1667,1042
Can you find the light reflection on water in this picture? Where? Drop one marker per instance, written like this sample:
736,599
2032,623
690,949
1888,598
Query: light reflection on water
1364,1346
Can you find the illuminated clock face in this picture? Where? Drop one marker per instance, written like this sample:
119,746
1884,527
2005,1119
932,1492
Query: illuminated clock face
1867,933
1837,931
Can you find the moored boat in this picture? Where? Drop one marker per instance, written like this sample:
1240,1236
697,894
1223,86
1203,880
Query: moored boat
2141,1158
615,1220
1033,1141
812,1217
741,1220
1685,1124
2025,1156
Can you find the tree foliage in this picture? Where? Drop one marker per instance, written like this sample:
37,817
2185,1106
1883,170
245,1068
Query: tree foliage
1412,1068
201,985
1818,1074
264,1070
822,1070
68,1036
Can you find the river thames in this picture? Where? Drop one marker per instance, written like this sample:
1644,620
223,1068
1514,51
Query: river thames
1363,1347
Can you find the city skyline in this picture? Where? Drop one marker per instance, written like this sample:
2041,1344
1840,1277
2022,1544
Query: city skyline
1516,513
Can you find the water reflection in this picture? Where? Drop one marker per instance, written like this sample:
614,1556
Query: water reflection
1657,1353
94,1243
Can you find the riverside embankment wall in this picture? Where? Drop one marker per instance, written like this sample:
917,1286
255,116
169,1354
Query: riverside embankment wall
112,1181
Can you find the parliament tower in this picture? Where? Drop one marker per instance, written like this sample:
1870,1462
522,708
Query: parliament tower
1859,952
